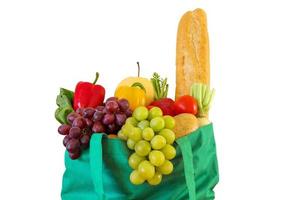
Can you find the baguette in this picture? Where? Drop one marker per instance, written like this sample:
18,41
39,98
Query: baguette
192,52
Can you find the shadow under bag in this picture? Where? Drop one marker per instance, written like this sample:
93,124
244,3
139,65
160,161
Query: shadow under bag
102,171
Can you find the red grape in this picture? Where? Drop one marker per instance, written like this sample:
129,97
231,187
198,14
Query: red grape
98,115
123,104
111,99
120,119
85,140
66,140
64,129
74,155
87,131
100,108
112,128
112,106
73,145
72,116
128,113
88,112
108,118
79,111
75,132
88,122
98,127
79,122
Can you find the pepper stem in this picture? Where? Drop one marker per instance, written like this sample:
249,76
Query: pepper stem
96,79
139,69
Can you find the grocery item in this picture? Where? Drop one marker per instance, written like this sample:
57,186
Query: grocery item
144,82
150,135
88,94
184,124
135,95
165,104
192,52
80,125
204,96
186,104
160,86
64,102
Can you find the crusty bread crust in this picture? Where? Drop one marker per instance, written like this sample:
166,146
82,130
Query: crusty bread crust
192,52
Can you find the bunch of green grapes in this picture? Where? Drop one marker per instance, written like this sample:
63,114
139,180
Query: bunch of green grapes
149,134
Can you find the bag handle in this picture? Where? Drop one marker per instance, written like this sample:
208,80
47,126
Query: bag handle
189,173
96,162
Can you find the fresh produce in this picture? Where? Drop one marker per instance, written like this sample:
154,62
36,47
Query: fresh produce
156,179
186,104
166,168
146,169
169,152
135,94
88,94
80,125
204,96
144,82
192,52
160,86
169,122
150,135
157,123
161,92
136,178
165,104
155,112
64,102
184,124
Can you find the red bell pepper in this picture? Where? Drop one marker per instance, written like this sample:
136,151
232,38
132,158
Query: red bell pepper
88,94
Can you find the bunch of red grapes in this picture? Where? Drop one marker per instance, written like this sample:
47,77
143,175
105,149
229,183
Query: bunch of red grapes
108,118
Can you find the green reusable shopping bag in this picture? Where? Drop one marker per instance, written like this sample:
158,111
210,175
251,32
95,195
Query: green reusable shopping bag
102,172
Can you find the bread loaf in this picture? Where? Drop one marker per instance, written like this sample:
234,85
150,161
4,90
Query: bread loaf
192,52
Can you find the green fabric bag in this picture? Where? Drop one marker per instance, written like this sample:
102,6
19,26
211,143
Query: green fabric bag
102,172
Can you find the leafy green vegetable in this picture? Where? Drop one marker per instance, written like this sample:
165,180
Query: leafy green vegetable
64,102
160,86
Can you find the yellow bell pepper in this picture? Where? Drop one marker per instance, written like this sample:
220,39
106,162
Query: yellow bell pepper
135,95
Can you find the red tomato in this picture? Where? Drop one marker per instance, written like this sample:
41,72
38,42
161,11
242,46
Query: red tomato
186,104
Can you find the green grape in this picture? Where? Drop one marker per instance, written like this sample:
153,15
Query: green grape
126,129
134,160
143,124
169,151
158,142
157,158
148,134
146,169
135,134
168,135
142,148
169,122
140,113
132,121
165,168
155,112
122,136
156,179
135,178
130,144
157,123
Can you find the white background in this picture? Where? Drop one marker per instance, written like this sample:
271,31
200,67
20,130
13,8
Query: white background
255,47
